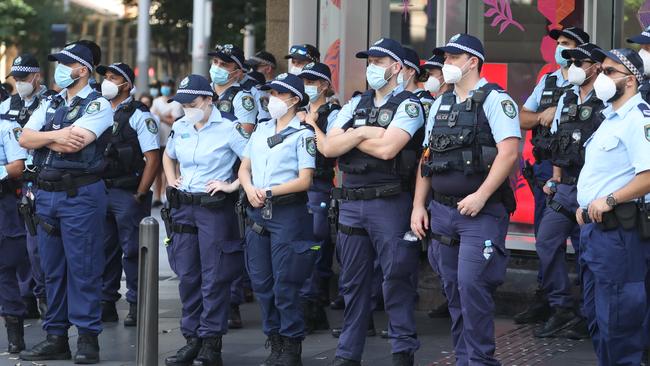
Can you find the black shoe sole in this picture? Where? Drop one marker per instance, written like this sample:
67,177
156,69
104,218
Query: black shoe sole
87,362
554,332
57,356
130,323
179,363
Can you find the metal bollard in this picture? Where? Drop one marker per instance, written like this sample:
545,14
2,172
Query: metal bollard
147,343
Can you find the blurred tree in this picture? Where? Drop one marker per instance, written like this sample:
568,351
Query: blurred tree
13,24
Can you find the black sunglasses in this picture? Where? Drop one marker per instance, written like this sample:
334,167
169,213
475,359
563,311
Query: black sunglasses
578,63
610,70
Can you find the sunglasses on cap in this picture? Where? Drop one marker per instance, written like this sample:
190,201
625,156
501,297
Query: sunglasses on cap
301,50
579,63
226,48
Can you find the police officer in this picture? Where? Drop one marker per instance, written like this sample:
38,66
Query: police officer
276,173
70,133
468,174
577,117
435,83
537,114
301,55
18,108
320,114
371,137
411,75
133,160
12,234
615,247
226,71
264,62
643,40
204,250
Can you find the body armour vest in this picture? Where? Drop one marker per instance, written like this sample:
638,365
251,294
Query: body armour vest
426,99
325,166
577,123
461,148
363,170
18,112
123,154
224,102
542,136
90,160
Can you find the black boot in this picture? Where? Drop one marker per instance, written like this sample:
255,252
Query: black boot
403,359
109,312
234,319
32,308
320,316
308,316
87,349
338,303
562,318
384,334
538,311
42,307
210,353
131,319
276,343
186,355
440,311
340,361
248,294
291,352
324,291
578,331
15,334
54,347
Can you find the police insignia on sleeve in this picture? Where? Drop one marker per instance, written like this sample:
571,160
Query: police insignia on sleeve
412,110
585,113
152,126
17,132
93,107
509,108
384,117
646,132
242,131
248,103
310,145
427,107
73,113
224,106
264,103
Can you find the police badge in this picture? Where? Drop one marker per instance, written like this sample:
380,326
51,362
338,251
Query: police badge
152,126
310,146
585,113
412,110
93,107
72,114
247,102
242,131
17,132
509,108
384,117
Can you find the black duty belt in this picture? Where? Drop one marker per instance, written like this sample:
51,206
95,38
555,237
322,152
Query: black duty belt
559,208
200,199
123,182
351,230
366,193
445,240
623,215
571,181
67,183
287,199
452,201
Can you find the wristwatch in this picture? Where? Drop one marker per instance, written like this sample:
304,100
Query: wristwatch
611,200
269,194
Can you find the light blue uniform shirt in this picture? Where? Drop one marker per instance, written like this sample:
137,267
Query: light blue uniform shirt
496,107
10,150
282,163
401,119
206,154
244,106
560,106
146,126
532,103
96,122
617,151
330,119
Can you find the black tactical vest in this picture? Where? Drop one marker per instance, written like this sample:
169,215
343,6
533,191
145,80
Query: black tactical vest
577,123
18,112
365,170
124,157
644,89
426,99
249,83
542,136
224,102
325,166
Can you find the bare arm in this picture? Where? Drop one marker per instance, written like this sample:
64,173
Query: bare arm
300,184
388,145
639,186
151,167
169,167
15,169
338,142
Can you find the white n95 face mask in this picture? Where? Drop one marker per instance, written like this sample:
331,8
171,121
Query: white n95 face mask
432,84
576,75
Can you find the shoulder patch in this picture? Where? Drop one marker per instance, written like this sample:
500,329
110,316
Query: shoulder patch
247,102
17,132
645,109
412,110
242,131
93,107
310,146
646,132
171,134
151,124
509,108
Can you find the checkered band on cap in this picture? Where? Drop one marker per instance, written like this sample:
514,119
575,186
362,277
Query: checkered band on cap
574,35
294,90
629,65
25,69
77,58
387,51
316,73
412,65
433,63
466,49
645,33
587,53
194,92
262,61
114,67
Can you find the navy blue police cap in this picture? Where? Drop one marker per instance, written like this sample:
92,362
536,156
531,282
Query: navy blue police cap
118,68
93,47
582,52
462,43
642,38
230,53
624,56
316,71
24,65
574,33
257,76
190,88
434,62
384,47
304,52
72,53
288,83
262,58
412,60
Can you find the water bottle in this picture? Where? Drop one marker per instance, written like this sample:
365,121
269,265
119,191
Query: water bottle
488,250
410,236
323,205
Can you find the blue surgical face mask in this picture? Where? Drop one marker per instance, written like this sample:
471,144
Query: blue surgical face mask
166,90
219,75
312,92
375,76
558,56
62,75
154,92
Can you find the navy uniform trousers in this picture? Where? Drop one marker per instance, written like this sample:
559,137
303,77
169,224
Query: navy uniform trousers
14,256
121,245
279,261
615,268
469,280
385,220
206,263
73,258
550,244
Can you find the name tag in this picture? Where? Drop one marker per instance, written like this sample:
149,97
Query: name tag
13,113
185,135
547,92
445,108
360,122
